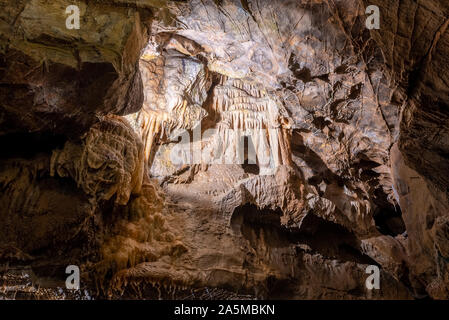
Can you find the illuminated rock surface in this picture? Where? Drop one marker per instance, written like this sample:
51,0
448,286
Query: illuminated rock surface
315,147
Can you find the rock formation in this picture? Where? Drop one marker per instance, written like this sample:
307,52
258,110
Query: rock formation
253,148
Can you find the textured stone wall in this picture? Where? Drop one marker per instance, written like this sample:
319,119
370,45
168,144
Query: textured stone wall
125,150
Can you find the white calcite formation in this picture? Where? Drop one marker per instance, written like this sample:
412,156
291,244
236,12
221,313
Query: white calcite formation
257,148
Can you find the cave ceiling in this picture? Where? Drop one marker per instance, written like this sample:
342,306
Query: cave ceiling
269,149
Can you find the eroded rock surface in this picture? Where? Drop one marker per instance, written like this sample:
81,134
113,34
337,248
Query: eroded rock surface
268,149
63,78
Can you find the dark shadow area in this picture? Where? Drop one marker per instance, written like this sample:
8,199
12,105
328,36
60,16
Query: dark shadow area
262,227
389,221
248,167
331,240
252,222
26,145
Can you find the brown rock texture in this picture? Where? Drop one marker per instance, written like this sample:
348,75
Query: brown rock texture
256,149
63,78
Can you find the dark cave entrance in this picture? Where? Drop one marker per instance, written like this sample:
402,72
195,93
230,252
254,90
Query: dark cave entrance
266,235
389,221
263,226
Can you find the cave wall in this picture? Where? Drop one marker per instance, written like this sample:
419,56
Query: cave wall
346,165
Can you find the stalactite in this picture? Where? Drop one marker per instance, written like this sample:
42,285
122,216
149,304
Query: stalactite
247,109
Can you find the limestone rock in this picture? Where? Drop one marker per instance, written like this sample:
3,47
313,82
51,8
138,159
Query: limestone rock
267,149
63,78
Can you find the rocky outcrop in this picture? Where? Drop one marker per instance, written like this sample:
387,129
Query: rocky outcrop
99,170
62,78
414,43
